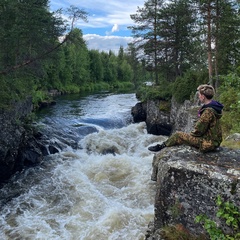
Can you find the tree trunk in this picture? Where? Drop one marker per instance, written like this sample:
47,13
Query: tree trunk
209,40
155,44
216,45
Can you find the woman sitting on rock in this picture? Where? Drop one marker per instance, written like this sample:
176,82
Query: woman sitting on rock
207,133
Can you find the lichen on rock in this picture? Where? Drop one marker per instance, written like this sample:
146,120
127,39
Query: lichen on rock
188,183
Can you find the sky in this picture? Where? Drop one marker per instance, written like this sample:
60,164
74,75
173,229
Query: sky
107,24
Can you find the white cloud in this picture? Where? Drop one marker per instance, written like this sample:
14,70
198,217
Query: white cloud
115,28
102,14
105,19
106,43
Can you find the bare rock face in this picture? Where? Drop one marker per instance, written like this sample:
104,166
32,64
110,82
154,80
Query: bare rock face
157,121
139,112
188,183
183,116
22,145
18,147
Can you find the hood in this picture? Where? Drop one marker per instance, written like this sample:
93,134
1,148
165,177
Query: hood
217,106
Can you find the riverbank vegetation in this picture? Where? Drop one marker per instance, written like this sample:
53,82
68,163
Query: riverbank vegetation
41,52
187,43
178,45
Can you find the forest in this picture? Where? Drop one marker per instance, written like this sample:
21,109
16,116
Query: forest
40,51
178,44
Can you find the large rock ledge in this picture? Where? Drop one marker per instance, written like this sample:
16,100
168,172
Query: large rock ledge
20,145
188,183
181,117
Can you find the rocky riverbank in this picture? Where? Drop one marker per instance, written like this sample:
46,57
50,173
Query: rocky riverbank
180,117
188,182
20,145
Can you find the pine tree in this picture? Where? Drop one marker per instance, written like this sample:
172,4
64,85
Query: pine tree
176,31
145,31
166,29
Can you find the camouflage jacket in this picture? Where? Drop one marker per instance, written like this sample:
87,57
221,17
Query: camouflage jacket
208,127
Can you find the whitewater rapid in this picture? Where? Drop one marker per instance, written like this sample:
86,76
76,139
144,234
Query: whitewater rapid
100,190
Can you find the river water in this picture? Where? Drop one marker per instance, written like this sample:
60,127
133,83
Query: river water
97,187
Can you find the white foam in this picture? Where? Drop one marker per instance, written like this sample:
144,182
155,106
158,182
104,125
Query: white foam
88,194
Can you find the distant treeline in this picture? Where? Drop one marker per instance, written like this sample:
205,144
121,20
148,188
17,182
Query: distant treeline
178,45
35,57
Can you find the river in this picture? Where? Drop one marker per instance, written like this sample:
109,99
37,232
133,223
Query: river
97,187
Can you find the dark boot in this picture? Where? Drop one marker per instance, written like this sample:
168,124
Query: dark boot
157,147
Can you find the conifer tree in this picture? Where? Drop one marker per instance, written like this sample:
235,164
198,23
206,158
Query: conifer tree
145,31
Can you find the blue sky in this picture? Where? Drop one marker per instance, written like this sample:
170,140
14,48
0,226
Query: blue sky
108,20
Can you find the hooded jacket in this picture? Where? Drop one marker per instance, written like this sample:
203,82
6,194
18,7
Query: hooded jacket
208,128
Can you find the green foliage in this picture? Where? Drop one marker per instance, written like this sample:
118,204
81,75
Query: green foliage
71,88
96,66
101,86
176,209
228,212
5,95
211,227
123,85
229,22
178,233
186,86
39,96
27,34
28,29
14,89
160,92
229,95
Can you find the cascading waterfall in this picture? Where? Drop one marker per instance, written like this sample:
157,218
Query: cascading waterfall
97,187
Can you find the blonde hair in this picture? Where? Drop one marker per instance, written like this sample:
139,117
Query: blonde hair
206,90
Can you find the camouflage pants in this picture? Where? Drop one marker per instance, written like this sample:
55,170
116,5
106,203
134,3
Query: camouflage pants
180,138
177,138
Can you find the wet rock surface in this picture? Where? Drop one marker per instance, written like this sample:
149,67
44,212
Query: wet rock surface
20,145
181,117
157,121
188,183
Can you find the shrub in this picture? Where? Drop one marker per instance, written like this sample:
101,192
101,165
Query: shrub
154,92
228,212
122,85
178,232
187,85
229,95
